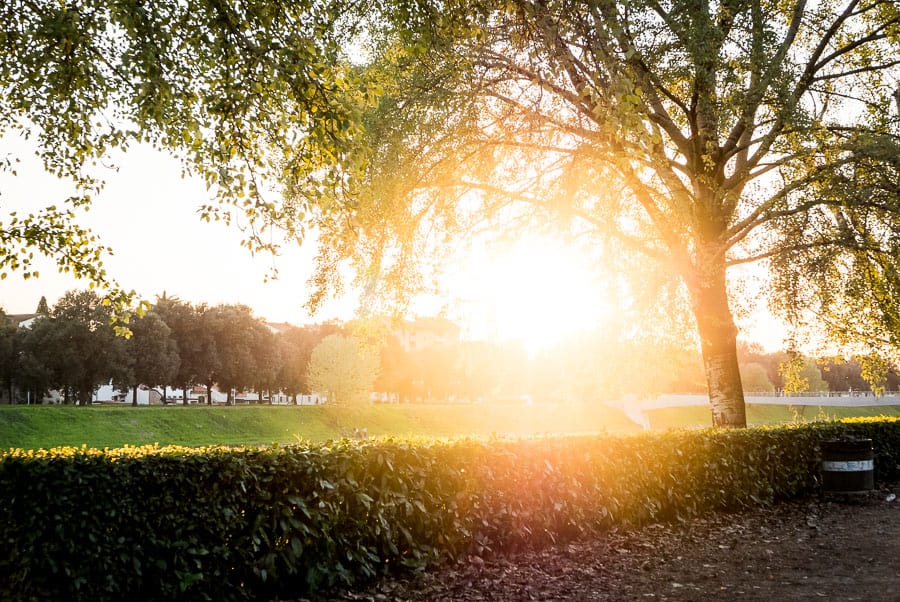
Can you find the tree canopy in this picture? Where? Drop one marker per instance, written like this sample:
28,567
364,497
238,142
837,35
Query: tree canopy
240,91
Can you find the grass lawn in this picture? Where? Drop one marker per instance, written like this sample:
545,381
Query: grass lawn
33,427
760,414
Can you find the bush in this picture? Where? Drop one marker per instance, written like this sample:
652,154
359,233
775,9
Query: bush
252,523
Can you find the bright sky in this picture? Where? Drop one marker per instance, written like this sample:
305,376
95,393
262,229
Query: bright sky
147,214
538,291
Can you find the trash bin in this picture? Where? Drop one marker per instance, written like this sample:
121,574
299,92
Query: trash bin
848,466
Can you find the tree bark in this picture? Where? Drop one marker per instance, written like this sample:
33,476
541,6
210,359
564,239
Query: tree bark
718,340
134,396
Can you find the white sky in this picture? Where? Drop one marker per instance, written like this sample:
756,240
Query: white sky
539,293
148,214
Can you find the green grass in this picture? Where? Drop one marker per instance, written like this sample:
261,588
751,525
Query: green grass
763,414
33,427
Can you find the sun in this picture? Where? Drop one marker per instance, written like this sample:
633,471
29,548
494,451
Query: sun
537,290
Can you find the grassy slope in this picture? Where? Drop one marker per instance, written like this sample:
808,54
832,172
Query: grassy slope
759,414
114,426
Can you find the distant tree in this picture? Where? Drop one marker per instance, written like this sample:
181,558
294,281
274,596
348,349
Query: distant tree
802,373
396,372
244,349
151,354
342,369
42,309
233,368
893,379
756,378
9,355
648,367
184,322
89,351
208,339
436,371
38,359
813,374
267,360
297,344
490,370
751,353
875,367
296,348
843,374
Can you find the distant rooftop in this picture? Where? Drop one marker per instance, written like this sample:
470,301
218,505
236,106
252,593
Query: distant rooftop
17,319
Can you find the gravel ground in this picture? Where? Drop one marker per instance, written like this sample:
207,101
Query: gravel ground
832,548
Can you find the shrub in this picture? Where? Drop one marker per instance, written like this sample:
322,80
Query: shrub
254,523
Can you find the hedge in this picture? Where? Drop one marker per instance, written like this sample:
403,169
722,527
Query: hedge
222,523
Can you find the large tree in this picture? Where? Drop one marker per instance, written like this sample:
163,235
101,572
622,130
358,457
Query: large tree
681,136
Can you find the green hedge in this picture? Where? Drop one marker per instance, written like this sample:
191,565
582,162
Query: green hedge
246,523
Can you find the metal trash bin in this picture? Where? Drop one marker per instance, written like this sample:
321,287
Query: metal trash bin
848,466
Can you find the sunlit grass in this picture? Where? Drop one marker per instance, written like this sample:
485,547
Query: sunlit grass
115,426
763,414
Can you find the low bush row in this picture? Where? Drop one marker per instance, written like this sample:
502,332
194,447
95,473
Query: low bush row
259,523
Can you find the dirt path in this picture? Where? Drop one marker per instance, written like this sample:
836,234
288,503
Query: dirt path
807,550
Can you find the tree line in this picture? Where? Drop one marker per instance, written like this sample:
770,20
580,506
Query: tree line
74,348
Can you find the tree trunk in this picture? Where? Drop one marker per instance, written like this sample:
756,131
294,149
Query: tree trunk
718,340
209,394
134,396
